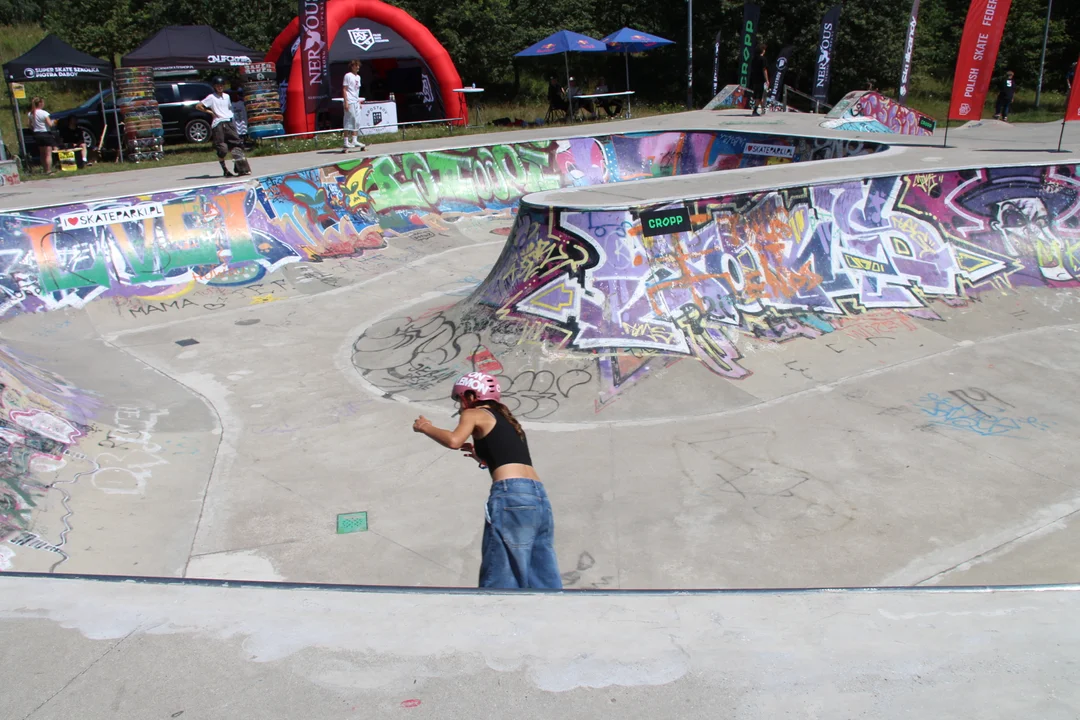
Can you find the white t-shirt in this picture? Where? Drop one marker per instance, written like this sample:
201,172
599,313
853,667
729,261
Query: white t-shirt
351,84
40,121
220,107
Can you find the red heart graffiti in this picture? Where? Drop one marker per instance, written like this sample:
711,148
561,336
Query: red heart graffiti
73,221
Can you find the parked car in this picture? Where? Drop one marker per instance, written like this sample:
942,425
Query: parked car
176,100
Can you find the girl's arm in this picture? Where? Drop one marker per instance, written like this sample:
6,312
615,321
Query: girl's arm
451,439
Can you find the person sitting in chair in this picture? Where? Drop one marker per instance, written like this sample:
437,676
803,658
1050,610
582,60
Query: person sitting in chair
585,103
72,138
613,105
556,98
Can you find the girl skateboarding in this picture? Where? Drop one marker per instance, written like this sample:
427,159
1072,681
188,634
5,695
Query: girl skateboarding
518,546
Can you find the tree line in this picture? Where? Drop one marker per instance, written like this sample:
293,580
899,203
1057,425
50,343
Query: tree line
483,35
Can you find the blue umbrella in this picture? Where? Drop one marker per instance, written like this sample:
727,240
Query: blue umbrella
564,42
629,40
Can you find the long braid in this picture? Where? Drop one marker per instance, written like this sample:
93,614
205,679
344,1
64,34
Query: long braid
505,412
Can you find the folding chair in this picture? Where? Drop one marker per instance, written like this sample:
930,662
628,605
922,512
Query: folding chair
555,114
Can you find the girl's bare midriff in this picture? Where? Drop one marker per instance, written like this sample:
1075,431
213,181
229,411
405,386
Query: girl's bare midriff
514,470
510,470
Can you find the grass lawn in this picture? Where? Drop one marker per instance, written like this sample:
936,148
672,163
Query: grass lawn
932,97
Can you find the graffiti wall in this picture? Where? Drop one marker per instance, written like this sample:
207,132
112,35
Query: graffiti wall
877,113
41,417
165,244
860,256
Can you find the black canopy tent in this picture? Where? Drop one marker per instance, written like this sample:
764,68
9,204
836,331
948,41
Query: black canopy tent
190,47
390,62
53,59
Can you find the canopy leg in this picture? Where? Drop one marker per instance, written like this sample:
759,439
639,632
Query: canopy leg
116,120
569,96
18,123
626,57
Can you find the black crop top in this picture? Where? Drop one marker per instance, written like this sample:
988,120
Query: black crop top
502,445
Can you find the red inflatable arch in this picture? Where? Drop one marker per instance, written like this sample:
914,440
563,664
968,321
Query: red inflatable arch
339,12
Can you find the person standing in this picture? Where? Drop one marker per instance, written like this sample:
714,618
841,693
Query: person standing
223,133
41,125
1005,97
518,544
350,93
759,80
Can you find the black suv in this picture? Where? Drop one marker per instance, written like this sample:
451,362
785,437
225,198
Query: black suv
177,100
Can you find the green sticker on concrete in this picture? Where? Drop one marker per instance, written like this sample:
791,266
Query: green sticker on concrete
352,522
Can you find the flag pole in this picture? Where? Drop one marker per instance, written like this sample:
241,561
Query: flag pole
946,143
1062,135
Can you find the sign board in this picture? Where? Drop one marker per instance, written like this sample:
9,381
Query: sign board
665,222
67,160
378,117
18,90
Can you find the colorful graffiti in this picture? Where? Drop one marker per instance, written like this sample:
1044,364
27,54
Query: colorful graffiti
161,245
772,266
9,173
41,417
732,96
985,416
878,113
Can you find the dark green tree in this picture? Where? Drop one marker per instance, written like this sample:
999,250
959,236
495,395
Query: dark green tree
19,12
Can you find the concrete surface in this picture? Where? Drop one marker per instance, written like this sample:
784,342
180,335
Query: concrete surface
108,650
230,457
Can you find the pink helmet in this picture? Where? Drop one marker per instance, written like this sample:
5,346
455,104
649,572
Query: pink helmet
485,386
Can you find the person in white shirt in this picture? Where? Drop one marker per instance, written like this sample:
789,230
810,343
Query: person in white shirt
41,125
350,93
223,133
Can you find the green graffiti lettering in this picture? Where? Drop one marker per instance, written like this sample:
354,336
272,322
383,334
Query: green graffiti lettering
72,265
496,183
417,171
483,180
384,188
452,184
237,230
207,231
510,171
137,249
537,160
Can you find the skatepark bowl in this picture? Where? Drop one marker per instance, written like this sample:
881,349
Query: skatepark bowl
856,369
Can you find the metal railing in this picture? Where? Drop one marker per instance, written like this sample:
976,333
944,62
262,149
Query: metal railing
815,104
449,122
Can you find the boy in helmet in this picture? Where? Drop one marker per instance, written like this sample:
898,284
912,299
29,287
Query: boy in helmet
223,133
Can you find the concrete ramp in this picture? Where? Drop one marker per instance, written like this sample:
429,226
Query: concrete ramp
580,297
819,384
870,111
853,375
